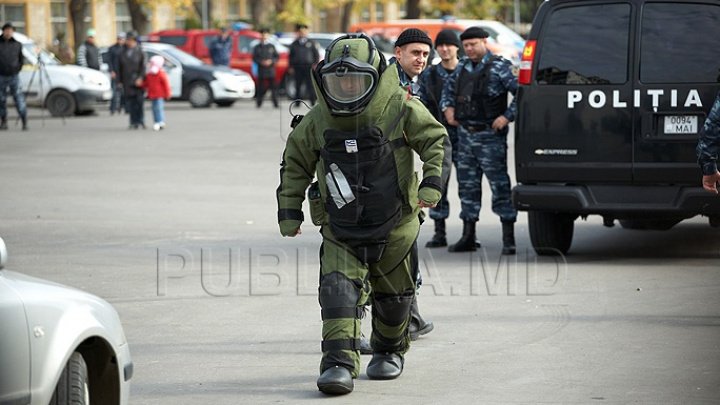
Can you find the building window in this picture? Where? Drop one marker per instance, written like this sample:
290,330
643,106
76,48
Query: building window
233,11
379,12
58,19
123,22
365,14
14,13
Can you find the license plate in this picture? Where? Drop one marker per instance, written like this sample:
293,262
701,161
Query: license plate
681,124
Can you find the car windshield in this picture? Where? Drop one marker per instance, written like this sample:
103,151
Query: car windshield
184,57
33,53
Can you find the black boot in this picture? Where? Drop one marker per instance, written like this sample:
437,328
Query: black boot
24,122
439,239
336,380
418,326
467,241
508,238
3,124
385,366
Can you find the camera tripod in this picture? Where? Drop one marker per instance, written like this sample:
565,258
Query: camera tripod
43,75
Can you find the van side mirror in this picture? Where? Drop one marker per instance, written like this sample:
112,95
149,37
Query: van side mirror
3,254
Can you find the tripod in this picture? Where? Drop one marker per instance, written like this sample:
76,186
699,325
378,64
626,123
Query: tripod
43,75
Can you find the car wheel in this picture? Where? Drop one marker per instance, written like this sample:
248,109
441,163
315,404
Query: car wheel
72,388
649,224
60,103
225,103
200,95
551,233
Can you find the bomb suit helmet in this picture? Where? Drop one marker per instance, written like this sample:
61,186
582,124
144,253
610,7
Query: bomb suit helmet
350,73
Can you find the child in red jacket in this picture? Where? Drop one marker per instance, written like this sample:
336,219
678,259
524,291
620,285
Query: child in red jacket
158,90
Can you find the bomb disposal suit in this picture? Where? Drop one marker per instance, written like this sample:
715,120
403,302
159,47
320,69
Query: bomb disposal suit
359,142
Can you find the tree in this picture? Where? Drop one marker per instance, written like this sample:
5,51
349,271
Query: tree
413,9
77,15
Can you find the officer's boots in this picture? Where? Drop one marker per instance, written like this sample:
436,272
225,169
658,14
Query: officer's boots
508,238
3,124
439,239
336,380
24,122
467,241
418,326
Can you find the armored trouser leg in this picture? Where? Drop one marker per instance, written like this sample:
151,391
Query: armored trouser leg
343,291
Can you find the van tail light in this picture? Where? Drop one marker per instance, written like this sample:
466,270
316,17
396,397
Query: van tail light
526,62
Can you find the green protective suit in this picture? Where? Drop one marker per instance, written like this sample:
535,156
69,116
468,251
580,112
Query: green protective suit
345,281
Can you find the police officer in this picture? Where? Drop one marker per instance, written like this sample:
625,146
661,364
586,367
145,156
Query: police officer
475,97
430,83
412,49
359,141
303,54
708,148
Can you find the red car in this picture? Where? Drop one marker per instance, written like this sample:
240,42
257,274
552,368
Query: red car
196,41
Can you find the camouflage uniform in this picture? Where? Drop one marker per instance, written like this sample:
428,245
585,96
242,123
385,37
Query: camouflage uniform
432,101
484,151
708,147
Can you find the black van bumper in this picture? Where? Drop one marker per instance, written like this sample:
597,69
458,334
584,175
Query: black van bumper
617,200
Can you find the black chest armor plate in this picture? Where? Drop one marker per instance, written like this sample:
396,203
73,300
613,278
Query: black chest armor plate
472,102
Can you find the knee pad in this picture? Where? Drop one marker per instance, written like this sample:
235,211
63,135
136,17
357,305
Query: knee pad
392,310
338,291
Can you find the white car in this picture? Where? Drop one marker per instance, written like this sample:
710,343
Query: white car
59,345
63,89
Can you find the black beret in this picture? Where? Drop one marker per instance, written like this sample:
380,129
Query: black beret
412,35
7,25
131,35
448,37
474,32
300,26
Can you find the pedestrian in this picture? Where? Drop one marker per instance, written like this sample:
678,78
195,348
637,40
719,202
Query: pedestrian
359,141
11,62
412,49
131,74
303,55
430,85
708,149
157,85
265,56
221,48
475,98
88,54
116,102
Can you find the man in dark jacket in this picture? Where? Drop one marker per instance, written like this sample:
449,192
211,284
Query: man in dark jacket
265,56
88,54
131,73
221,48
303,54
116,102
11,61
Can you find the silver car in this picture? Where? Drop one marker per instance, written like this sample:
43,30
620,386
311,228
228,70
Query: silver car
59,345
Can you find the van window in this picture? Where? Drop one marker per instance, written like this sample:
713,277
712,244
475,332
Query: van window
679,43
585,45
177,40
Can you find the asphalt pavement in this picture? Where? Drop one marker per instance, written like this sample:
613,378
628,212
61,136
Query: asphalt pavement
178,230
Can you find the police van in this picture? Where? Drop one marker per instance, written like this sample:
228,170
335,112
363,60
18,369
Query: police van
612,97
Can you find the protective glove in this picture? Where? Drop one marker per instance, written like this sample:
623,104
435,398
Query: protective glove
289,227
429,195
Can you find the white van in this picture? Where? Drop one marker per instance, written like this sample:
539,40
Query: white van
63,89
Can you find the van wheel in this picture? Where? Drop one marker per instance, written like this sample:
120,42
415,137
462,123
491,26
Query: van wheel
551,233
72,388
649,224
200,95
60,103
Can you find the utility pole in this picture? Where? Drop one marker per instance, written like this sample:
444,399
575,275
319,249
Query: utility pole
205,14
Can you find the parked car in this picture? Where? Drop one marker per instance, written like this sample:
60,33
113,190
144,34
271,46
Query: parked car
63,89
611,100
193,80
502,41
59,345
195,42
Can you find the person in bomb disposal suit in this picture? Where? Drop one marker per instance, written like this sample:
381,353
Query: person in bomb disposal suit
359,142
475,98
708,149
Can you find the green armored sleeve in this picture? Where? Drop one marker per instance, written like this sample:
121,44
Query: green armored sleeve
429,139
296,172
